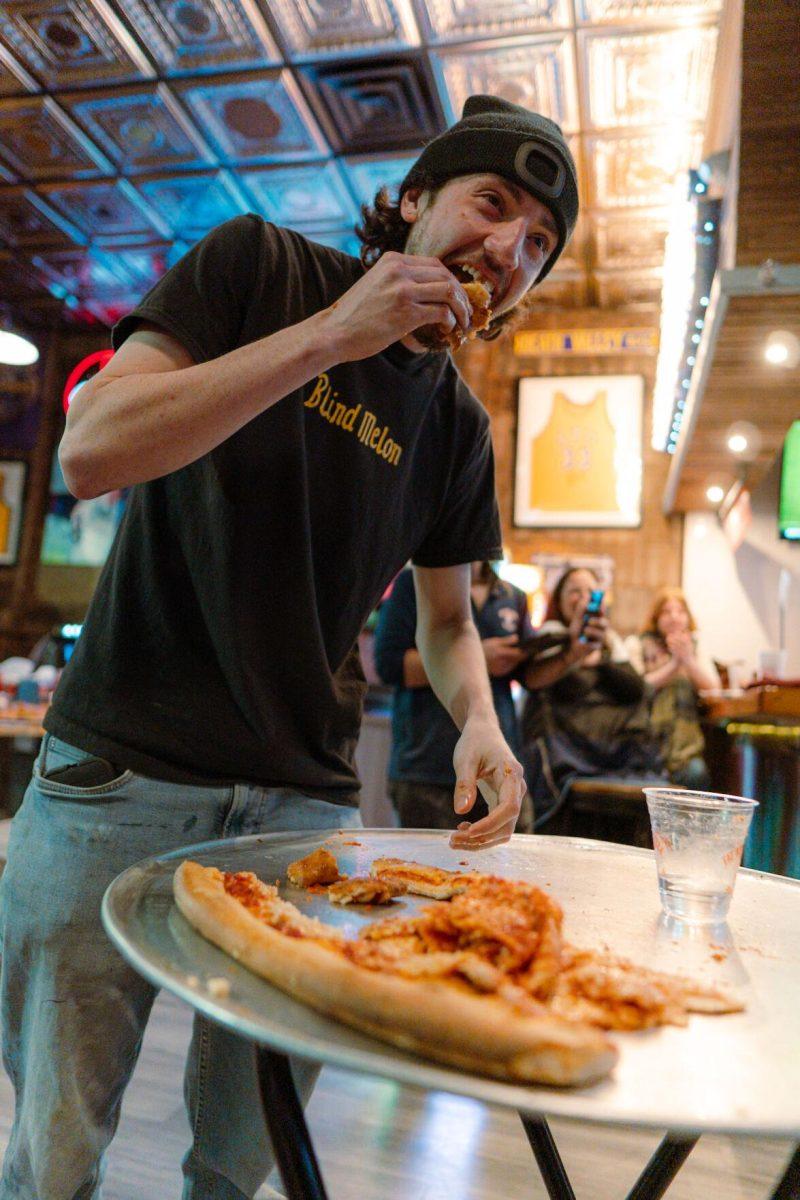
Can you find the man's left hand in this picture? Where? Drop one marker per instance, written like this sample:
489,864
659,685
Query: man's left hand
483,753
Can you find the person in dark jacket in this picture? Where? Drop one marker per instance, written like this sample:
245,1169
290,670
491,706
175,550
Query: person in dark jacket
587,711
421,773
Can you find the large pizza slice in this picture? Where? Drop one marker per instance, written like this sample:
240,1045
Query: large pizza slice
481,981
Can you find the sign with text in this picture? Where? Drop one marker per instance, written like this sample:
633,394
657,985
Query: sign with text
535,343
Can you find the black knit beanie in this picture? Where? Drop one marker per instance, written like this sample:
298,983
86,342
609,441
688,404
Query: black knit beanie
502,138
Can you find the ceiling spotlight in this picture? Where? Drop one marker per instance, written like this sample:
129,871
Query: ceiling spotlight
715,493
744,440
17,351
782,349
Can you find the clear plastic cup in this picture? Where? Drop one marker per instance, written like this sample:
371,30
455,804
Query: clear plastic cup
698,838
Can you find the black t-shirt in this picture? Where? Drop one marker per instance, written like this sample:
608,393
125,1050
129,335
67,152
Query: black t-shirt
220,643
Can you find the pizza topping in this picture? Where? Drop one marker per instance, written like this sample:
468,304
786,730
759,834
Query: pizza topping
318,867
264,903
495,936
434,882
364,891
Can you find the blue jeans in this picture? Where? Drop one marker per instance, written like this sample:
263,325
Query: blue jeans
74,1012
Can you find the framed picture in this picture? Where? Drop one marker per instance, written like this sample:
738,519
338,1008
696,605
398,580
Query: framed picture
12,487
579,451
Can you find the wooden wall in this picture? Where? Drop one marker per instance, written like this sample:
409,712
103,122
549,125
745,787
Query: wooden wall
644,558
768,210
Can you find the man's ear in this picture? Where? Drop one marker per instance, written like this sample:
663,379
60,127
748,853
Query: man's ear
411,204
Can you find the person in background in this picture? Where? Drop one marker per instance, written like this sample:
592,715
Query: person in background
586,713
421,773
671,619
673,663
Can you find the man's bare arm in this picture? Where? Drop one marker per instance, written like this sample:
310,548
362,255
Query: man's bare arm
456,667
153,410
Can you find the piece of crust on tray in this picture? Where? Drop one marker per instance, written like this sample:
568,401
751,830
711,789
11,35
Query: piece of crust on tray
422,880
364,890
318,867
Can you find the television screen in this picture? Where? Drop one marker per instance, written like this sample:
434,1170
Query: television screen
789,503
78,533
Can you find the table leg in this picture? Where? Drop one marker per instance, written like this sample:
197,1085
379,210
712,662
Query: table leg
789,1186
651,1184
663,1166
547,1158
286,1123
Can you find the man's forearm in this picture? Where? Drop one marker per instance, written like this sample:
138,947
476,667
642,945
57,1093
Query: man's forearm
541,673
455,665
133,428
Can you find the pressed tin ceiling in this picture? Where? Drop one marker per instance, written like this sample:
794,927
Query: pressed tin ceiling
130,128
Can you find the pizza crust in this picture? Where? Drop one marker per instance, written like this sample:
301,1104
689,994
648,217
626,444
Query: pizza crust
438,1018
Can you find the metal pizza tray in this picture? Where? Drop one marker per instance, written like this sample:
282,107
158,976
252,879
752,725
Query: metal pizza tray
736,1073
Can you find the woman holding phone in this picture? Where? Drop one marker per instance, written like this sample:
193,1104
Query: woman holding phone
586,714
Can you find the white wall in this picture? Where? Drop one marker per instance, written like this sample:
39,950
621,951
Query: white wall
734,595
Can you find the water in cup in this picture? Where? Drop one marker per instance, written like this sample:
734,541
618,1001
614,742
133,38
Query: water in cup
698,838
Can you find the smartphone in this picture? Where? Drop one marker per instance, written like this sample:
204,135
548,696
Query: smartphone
90,772
592,609
544,641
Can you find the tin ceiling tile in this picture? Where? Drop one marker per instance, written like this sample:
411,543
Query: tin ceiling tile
607,12
458,20
7,176
338,239
630,238
106,210
303,198
538,73
254,118
628,75
72,43
368,175
640,171
142,265
382,105
14,79
195,36
191,205
79,272
315,29
26,220
40,141
141,128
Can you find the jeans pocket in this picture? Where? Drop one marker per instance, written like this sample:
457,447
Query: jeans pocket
57,757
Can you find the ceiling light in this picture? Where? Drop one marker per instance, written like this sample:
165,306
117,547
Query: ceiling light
782,349
17,351
744,440
715,493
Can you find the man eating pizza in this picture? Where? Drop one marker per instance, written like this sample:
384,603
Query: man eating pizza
292,431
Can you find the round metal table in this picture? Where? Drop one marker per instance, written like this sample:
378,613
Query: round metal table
735,1074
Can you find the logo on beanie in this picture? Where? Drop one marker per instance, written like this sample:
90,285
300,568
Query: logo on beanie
541,168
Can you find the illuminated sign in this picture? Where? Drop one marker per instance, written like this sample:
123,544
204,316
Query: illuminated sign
78,373
536,343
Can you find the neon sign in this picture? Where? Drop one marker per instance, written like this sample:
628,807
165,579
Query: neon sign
76,376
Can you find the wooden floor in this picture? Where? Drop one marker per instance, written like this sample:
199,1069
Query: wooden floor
377,1140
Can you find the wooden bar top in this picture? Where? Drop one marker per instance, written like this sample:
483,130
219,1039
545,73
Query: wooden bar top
770,700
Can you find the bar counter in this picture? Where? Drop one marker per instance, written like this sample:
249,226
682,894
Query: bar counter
753,749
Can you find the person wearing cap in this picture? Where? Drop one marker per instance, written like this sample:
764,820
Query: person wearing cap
292,432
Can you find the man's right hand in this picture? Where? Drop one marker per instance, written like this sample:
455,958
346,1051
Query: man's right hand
502,654
588,639
401,293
